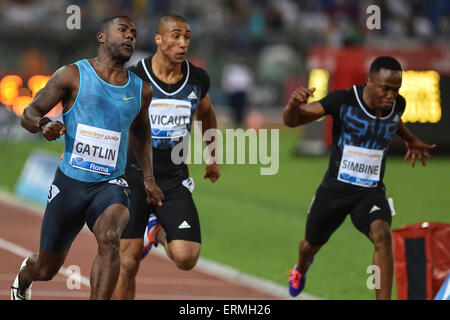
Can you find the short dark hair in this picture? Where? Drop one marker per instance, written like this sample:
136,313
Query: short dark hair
105,22
385,62
168,17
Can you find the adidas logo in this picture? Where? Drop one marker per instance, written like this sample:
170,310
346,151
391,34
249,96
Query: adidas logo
374,208
396,118
184,225
192,95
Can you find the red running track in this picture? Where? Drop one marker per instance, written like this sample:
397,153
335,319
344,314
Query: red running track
158,278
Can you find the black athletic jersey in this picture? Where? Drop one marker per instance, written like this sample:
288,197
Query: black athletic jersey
360,139
173,106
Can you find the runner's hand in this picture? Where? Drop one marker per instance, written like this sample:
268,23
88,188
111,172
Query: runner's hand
212,171
154,193
419,149
300,96
53,130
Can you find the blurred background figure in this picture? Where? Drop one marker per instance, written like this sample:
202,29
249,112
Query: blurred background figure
237,81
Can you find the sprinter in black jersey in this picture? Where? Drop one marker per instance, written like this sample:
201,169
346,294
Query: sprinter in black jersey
365,119
180,90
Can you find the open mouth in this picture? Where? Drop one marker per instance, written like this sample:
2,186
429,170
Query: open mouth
128,46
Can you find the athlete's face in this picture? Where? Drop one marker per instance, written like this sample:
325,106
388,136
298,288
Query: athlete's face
119,38
173,40
384,87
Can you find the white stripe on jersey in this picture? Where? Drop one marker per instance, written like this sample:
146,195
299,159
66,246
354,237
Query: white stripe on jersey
156,85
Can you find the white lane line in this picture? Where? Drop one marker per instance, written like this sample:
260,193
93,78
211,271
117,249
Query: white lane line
22,252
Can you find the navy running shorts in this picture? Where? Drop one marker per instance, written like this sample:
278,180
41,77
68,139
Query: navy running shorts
72,203
330,207
178,214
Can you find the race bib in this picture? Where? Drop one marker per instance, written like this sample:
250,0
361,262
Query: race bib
360,166
169,118
95,149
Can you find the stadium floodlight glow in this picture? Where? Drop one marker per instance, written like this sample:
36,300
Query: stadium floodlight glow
20,103
36,83
11,87
319,79
422,93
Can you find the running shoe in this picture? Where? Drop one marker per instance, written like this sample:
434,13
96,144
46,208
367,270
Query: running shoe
297,280
16,292
151,231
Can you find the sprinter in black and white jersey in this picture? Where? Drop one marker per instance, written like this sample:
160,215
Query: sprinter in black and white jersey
180,91
365,119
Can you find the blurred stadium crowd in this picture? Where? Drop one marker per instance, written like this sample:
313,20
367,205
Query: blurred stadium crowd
266,41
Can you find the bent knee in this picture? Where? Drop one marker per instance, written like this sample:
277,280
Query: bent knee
109,240
308,247
184,253
130,260
129,265
185,262
381,237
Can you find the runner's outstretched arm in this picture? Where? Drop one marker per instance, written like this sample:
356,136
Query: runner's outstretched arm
141,144
415,146
59,87
297,112
207,116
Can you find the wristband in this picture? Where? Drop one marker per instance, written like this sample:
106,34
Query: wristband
43,122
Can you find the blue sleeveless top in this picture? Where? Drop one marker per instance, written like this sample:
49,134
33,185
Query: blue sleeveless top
98,123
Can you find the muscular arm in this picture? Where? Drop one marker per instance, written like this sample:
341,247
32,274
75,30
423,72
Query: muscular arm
404,132
141,144
207,116
297,112
140,138
63,85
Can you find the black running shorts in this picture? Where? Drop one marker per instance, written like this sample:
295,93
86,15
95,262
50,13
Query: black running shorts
331,206
72,203
178,214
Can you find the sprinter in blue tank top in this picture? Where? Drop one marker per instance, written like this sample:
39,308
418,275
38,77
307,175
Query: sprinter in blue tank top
103,104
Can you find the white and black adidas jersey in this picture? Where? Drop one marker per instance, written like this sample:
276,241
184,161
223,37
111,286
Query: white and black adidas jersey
173,105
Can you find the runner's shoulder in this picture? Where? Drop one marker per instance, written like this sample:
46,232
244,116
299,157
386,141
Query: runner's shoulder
200,77
401,102
66,76
333,100
138,70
